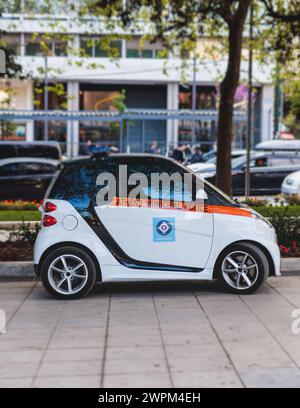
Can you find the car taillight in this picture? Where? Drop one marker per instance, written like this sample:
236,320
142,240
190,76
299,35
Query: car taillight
48,220
49,207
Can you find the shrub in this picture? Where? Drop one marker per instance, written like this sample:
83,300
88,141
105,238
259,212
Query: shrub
286,221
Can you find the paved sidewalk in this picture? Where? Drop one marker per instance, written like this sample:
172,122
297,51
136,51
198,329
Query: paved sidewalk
154,335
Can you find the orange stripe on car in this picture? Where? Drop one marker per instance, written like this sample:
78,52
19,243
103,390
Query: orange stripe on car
222,209
179,206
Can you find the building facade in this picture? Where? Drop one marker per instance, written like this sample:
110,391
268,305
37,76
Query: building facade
81,74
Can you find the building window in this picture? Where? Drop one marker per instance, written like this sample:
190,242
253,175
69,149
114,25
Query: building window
97,47
147,49
11,41
57,95
40,46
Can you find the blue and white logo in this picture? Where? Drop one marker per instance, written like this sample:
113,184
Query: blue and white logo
163,229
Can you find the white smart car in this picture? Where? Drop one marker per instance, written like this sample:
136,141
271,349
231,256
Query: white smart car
291,184
94,231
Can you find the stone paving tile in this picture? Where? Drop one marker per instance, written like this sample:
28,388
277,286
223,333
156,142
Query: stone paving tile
276,378
69,368
152,380
135,366
132,353
16,370
21,356
83,381
15,382
73,354
224,378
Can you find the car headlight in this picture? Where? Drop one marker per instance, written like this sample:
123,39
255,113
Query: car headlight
264,220
289,182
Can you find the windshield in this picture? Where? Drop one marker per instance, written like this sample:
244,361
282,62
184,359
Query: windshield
221,193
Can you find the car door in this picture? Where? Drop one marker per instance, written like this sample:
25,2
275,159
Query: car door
151,233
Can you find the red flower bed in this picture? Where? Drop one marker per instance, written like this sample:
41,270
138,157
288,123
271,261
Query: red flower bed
292,250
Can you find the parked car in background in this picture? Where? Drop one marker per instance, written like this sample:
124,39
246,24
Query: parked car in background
291,184
279,145
23,178
211,156
268,170
46,150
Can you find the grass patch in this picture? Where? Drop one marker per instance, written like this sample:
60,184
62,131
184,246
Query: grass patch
19,215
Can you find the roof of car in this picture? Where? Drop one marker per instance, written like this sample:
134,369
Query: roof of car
114,155
28,159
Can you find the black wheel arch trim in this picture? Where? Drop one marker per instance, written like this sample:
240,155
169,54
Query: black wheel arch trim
248,241
37,267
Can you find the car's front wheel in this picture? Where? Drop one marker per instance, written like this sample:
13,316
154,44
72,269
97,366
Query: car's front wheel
68,273
242,268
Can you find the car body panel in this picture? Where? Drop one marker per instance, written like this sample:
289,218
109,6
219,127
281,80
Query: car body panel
227,229
291,184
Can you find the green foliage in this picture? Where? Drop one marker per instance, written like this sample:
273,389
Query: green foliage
285,220
25,233
19,215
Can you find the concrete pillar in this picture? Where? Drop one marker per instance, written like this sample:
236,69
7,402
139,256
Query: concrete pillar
123,48
267,112
73,125
29,106
172,103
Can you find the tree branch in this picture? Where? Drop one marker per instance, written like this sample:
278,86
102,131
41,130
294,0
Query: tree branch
284,17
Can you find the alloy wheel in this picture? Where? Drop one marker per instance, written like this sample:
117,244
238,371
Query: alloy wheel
67,274
240,270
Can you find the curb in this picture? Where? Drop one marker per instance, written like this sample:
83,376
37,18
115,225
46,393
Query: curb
16,270
25,270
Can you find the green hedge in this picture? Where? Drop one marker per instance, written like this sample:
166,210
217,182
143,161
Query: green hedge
286,221
19,215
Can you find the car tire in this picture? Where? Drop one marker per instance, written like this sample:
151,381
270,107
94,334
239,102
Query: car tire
68,272
242,268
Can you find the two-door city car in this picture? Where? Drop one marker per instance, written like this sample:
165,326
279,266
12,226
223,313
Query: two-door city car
159,235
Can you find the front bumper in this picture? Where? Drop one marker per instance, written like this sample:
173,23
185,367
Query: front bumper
290,190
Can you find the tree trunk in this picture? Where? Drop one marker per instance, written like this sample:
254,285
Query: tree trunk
227,91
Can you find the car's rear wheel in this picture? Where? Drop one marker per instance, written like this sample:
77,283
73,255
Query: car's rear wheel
68,273
242,268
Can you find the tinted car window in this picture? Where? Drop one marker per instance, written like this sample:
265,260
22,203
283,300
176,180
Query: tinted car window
279,161
7,151
295,160
76,183
29,150
32,168
10,170
175,190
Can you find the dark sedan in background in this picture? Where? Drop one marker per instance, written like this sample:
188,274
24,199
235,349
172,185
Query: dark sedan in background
268,170
25,178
